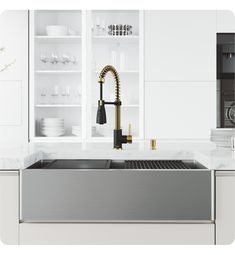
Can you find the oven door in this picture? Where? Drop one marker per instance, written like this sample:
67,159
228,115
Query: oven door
228,111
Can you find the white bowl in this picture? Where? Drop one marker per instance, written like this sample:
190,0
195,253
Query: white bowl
57,30
76,134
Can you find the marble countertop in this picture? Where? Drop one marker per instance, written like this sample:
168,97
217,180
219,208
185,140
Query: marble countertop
20,157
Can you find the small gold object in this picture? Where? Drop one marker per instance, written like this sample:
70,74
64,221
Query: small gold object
129,136
153,144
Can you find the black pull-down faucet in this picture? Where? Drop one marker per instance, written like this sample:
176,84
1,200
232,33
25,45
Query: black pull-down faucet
118,138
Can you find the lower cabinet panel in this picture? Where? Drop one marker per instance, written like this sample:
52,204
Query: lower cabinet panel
225,207
40,233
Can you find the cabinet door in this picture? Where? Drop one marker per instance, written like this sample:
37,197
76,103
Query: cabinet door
225,22
180,46
179,111
9,206
225,207
14,78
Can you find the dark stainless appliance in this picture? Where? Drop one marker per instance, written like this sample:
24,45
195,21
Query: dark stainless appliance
226,80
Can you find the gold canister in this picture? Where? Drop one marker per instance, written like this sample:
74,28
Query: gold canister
153,144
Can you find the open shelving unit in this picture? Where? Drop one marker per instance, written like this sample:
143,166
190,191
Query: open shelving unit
92,51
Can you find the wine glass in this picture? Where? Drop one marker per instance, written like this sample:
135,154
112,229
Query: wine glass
67,92
44,58
97,26
43,96
55,94
65,59
54,59
103,27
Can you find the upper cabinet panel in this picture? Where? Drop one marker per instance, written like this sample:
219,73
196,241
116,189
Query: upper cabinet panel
225,22
180,45
14,77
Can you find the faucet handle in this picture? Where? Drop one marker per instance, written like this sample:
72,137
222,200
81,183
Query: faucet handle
129,136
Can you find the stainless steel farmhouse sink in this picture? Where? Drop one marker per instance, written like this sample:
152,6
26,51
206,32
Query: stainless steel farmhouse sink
116,164
116,191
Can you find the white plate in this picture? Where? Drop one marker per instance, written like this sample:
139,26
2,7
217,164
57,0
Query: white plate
53,133
53,129
52,123
52,120
52,126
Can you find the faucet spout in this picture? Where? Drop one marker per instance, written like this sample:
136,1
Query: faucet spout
119,139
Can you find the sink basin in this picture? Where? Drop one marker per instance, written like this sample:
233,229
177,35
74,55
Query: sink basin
116,164
79,164
156,164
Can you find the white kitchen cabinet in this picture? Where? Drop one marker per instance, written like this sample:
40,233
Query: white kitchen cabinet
14,78
225,207
176,110
92,47
56,72
225,22
9,206
125,54
180,45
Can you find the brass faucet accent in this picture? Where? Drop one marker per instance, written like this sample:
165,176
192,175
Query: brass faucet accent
118,138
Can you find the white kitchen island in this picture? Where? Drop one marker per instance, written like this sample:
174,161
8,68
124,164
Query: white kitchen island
220,231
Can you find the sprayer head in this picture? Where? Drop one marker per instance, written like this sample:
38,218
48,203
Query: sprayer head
101,113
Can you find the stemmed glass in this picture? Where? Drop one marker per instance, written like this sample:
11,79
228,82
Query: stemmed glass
55,94
66,94
103,27
43,95
98,26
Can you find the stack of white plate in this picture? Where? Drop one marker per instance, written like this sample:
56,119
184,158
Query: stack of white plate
52,126
76,130
222,136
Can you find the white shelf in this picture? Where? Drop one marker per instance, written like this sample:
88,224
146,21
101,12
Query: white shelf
57,139
58,39
124,106
122,72
58,71
57,105
109,38
109,138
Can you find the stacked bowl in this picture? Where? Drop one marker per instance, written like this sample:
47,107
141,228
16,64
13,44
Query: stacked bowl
76,130
52,126
222,136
